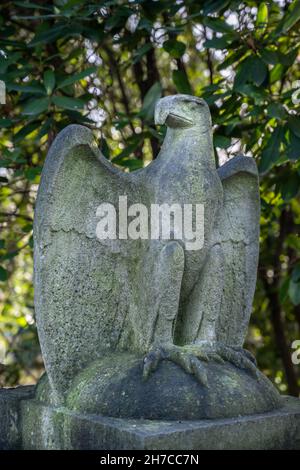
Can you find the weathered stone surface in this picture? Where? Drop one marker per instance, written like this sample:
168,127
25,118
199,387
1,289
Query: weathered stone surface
143,339
156,298
46,427
10,398
114,387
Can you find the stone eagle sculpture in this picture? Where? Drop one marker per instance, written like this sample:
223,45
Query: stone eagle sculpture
103,306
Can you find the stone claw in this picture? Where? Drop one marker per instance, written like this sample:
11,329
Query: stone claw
248,354
192,359
206,351
188,358
199,371
240,358
151,361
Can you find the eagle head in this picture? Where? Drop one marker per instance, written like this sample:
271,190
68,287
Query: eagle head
183,111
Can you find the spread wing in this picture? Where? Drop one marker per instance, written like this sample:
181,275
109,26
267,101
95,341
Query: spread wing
82,286
239,235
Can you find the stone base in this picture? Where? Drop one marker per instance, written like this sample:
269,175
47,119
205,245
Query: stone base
10,400
114,386
45,427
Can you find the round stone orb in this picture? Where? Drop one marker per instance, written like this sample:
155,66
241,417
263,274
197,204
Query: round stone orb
114,387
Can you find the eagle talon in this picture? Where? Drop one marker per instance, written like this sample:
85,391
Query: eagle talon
199,371
190,359
248,355
206,351
240,358
151,362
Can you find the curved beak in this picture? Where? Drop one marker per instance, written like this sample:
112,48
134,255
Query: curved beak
167,111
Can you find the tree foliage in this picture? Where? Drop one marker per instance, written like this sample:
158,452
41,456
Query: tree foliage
104,64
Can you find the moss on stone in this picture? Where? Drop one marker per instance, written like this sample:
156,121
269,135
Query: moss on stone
114,387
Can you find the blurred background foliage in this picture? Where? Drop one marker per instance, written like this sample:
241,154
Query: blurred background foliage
104,64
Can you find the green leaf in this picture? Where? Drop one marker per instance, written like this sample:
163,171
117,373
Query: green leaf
3,274
284,290
294,125
294,292
291,17
68,103
105,148
181,82
38,106
152,96
262,17
259,71
252,69
270,153
36,6
137,56
76,116
276,73
27,228
175,48
294,147
276,110
296,273
257,94
4,123
216,43
9,255
145,24
31,242
32,126
269,56
232,57
76,77
221,141
33,88
118,18
32,173
49,35
44,129
213,6
216,24
288,59
129,149
289,187
49,81
131,163
293,241
11,59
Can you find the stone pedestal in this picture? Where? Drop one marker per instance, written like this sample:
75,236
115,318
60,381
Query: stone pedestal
28,424
10,415
44,427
